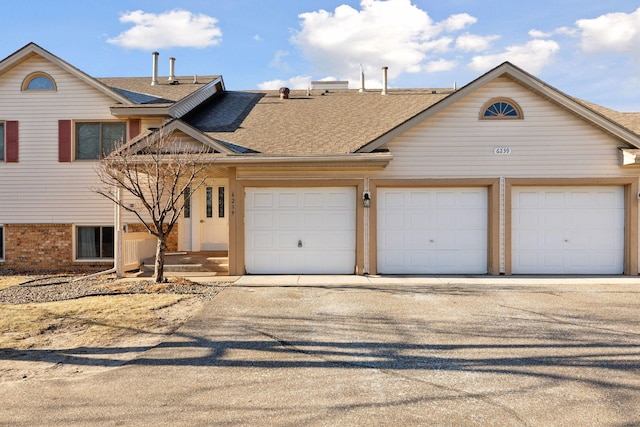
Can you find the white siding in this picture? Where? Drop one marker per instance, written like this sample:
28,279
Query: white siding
39,189
549,142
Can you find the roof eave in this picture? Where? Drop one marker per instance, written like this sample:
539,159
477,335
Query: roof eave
33,49
194,99
139,111
342,160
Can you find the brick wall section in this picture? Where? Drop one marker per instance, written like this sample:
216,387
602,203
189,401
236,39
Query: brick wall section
40,248
172,240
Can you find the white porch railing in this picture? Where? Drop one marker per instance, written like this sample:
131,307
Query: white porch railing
135,248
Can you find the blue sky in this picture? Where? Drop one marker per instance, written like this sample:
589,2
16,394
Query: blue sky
588,49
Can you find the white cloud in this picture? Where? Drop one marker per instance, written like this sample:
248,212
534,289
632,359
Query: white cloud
278,62
176,28
257,38
532,56
563,31
619,32
537,34
457,22
393,33
440,65
473,43
298,82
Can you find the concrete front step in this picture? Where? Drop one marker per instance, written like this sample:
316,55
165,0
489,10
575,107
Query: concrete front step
190,263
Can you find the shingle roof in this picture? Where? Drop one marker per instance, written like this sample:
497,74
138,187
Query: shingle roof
140,91
631,121
337,122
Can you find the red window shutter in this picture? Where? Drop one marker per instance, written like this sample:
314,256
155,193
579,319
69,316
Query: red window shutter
11,135
134,128
64,140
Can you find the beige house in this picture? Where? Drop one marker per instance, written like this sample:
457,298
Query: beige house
505,175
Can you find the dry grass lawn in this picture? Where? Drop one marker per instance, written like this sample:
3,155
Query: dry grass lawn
7,281
83,322
41,340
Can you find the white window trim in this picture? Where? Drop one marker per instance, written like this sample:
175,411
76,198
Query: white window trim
74,135
493,101
75,244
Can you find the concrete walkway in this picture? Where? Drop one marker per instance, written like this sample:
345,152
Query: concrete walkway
348,350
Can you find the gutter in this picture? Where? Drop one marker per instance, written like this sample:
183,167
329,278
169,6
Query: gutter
258,160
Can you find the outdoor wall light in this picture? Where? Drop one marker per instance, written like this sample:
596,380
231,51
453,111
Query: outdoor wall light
366,199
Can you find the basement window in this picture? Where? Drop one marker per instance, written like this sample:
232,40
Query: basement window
94,243
500,109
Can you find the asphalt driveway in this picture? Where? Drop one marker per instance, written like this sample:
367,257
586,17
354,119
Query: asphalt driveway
373,351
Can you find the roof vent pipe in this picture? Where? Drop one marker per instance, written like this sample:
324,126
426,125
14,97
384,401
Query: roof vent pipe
361,79
154,78
172,69
384,80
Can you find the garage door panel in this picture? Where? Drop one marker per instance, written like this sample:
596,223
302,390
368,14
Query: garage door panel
446,200
393,219
287,200
300,230
257,201
261,220
262,240
432,230
312,219
570,230
286,220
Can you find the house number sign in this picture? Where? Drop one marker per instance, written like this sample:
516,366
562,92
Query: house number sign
502,150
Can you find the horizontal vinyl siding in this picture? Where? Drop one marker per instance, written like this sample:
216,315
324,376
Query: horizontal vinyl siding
39,189
548,142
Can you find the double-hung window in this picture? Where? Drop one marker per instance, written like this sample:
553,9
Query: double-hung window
94,242
96,140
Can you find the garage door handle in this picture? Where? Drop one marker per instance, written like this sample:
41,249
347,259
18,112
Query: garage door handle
566,240
432,241
299,243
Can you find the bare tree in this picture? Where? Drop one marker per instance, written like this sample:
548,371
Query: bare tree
156,170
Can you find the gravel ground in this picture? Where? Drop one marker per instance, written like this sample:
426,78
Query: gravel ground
58,288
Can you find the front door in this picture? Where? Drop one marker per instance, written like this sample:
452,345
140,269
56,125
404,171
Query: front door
214,216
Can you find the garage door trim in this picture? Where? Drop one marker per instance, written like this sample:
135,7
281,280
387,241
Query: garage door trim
493,216
630,186
237,217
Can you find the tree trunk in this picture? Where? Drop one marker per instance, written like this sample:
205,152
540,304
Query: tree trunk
161,248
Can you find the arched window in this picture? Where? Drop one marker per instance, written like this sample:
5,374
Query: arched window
38,81
500,109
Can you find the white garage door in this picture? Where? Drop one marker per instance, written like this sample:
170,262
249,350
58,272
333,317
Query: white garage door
432,230
300,230
568,230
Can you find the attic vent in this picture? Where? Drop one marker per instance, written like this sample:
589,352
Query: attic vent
329,85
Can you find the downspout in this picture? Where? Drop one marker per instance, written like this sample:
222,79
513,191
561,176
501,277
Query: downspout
118,251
